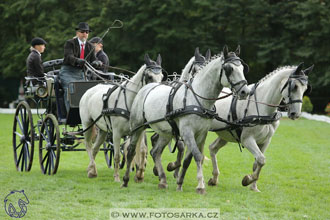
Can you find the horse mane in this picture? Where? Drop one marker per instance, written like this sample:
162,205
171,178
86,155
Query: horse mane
185,71
214,57
274,72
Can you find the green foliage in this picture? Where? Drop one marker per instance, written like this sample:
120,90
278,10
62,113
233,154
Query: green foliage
271,33
307,105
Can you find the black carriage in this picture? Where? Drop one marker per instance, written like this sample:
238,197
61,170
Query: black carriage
56,129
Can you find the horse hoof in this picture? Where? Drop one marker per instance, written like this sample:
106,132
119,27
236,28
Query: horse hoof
246,180
171,166
201,191
124,185
138,179
254,188
155,171
91,175
179,188
117,179
162,186
212,182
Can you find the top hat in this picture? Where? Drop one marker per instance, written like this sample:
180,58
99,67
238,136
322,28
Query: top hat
83,26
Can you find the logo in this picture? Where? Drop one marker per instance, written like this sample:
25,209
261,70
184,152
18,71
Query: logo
15,204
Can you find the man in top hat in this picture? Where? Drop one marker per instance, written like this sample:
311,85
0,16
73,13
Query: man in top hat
77,52
34,61
99,53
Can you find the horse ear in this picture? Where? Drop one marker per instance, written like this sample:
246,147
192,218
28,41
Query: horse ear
225,51
308,70
147,59
208,55
238,50
196,52
159,60
298,70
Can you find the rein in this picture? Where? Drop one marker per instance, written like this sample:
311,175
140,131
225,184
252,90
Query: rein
210,99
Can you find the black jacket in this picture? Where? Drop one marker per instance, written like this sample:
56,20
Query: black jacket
103,57
72,52
34,64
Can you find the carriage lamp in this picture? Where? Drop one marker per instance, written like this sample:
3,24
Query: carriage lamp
41,92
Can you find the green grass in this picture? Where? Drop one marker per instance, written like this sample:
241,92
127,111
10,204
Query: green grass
295,182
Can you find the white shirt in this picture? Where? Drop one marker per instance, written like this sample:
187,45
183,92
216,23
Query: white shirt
80,43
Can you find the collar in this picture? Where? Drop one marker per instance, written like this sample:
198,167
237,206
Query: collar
80,42
33,49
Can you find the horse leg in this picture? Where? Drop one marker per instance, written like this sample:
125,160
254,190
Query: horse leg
130,155
185,165
214,148
263,148
179,157
100,138
252,146
156,154
174,165
199,158
91,169
141,158
116,142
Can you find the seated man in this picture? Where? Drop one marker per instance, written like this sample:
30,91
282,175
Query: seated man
34,61
76,52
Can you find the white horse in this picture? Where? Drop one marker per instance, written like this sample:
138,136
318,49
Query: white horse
288,83
196,100
116,115
191,68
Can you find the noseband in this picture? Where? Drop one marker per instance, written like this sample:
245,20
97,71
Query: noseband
236,61
303,79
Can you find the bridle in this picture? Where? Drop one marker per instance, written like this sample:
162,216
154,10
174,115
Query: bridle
235,61
303,79
154,68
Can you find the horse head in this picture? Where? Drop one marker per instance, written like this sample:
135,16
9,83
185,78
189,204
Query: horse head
234,69
199,61
153,71
294,89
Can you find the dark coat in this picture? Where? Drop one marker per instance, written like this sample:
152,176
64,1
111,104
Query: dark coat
34,64
103,57
72,52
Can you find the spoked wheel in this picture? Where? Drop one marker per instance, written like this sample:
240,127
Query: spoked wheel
108,153
49,145
23,137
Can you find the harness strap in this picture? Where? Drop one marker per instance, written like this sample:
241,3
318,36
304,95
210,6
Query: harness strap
169,109
106,96
116,111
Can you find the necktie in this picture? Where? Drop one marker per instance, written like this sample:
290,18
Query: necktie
82,52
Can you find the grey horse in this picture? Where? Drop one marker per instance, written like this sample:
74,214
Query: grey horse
199,96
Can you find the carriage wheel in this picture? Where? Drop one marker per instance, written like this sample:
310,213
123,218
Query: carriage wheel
108,153
49,145
23,137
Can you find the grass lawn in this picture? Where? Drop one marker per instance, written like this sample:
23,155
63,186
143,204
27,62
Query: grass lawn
295,182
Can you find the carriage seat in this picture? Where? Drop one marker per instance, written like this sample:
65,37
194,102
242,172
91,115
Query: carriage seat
52,63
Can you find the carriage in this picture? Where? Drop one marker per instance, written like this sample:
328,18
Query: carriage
55,129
